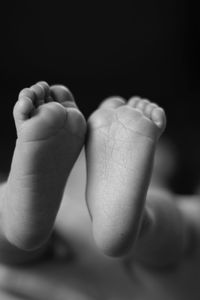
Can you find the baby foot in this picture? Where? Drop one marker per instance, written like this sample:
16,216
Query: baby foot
120,150
50,131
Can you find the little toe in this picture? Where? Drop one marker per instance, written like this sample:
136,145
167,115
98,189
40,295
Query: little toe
39,92
133,101
158,117
25,104
112,102
62,94
22,109
27,92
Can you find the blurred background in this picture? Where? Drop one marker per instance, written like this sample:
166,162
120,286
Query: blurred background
98,49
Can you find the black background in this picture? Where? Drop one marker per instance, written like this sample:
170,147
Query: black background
97,49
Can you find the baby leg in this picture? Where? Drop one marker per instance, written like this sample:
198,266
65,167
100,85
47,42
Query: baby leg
50,134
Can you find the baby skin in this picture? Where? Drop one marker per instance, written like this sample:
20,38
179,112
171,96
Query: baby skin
50,134
121,144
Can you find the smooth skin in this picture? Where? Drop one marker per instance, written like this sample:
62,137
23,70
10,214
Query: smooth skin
50,135
120,148
120,152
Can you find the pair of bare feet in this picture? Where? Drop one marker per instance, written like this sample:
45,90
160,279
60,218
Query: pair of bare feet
120,147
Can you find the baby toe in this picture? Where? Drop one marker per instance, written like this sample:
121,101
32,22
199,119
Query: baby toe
22,109
24,105
133,101
44,85
158,117
62,94
39,94
112,102
149,108
27,92
142,104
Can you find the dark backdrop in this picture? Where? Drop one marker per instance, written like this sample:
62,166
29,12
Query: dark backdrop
97,49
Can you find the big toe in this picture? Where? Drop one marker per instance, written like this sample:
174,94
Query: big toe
112,102
62,94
